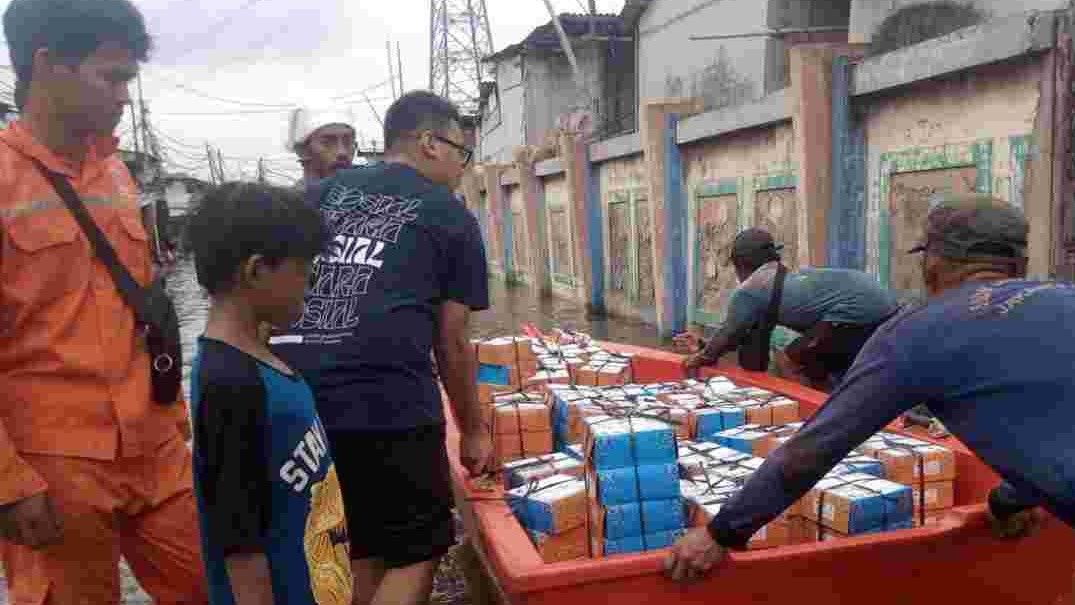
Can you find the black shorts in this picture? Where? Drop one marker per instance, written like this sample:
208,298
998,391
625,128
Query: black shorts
397,493
829,349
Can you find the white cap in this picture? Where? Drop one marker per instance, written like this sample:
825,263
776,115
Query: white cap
304,122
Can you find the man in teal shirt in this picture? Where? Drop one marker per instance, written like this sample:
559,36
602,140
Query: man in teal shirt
835,310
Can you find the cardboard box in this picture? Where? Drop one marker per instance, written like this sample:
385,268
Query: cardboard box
527,470
624,442
858,464
933,496
738,470
575,451
570,418
910,461
543,378
634,484
857,503
487,392
653,541
677,417
694,463
774,412
712,388
506,351
640,518
749,439
507,448
550,506
713,417
571,545
521,417
778,435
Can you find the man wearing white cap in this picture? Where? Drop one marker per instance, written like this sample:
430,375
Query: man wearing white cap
323,140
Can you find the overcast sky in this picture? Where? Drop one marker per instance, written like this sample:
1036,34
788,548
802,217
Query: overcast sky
222,69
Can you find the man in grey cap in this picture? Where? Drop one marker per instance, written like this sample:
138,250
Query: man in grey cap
990,352
835,310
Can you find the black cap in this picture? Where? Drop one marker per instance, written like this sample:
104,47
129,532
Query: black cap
756,245
975,227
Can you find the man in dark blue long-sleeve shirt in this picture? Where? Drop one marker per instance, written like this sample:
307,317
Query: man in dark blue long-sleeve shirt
990,353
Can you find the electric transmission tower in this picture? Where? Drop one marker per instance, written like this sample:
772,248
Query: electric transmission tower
459,37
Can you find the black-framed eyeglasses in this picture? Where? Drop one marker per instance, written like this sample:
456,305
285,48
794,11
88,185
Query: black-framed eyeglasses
463,149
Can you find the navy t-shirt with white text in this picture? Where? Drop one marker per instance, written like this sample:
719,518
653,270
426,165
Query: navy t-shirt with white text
401,246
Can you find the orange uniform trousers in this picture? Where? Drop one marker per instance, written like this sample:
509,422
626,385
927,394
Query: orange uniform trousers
142,508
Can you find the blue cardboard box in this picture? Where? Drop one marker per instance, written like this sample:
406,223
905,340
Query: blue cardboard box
498,375
551,506
634,484
710,420
623,442
638,518
636,544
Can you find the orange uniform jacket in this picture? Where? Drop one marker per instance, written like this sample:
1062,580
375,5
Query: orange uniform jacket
74,373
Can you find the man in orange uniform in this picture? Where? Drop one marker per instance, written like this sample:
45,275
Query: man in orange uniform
90,467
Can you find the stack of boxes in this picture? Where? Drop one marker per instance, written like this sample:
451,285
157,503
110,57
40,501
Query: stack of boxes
553,512
928,469
616,445
855,504
527,470
521,427
504,364
633,485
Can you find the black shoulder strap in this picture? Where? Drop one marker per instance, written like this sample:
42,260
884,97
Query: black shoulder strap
772,316
129,289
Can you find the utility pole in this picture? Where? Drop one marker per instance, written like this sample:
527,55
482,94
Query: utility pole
399,72
220,165
593,7
261,170
134,130
391,76
212,163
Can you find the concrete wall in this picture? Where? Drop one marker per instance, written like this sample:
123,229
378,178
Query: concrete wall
622,185
560,230
736,181
867,15
504,130
672,65
520,239
967,132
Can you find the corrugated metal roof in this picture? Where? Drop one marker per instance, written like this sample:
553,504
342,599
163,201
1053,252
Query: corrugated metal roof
575,25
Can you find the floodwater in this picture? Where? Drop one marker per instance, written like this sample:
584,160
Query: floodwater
511,306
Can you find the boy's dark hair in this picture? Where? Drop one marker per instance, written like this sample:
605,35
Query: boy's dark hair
418,110
72,29
238,220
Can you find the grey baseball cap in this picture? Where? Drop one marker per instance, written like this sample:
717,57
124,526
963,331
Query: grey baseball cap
975,227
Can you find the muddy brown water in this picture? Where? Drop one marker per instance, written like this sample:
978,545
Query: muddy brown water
510,307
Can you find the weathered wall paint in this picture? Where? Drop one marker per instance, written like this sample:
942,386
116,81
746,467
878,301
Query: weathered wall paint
563,267
847,217
621,182
722,178
520,239
937,125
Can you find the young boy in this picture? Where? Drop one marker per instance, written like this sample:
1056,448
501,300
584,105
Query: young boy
272,517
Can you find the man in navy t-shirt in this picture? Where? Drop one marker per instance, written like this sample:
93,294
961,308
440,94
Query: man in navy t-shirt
407,268
990,354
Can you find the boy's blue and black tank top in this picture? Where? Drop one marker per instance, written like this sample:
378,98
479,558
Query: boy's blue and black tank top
265,479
